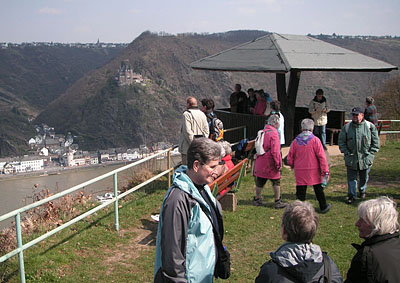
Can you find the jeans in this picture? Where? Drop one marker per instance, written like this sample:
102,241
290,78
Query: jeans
352,181
320,132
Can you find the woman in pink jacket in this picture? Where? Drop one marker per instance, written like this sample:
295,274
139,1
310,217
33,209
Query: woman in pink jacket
268,166
261,104
307,157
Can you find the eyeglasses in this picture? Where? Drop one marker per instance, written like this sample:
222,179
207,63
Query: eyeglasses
212,169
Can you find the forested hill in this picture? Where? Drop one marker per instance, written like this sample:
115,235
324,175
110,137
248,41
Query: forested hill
33,76
105,115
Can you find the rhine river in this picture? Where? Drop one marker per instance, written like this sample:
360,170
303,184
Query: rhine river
17,191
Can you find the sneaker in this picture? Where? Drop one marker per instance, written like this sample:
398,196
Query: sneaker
280,204
350,200
362,195
326,209
325,148
258,202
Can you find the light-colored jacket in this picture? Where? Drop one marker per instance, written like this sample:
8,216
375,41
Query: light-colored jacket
318,111
194,122
185,249
359,143
307,157
269,164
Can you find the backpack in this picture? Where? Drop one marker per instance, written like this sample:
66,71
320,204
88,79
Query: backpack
240,152
216,129
259,144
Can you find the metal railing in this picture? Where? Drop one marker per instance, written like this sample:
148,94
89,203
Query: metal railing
17,213
385,132
235,129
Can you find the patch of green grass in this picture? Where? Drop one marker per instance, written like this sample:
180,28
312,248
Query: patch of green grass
92,250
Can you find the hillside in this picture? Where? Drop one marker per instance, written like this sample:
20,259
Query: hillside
104,115
110,116
31,77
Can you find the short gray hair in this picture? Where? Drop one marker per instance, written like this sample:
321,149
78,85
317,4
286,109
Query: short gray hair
226,146
273,120
381,213
300,222
203,150
307,125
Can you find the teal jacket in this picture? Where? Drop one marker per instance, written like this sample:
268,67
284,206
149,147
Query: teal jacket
185,250
359,143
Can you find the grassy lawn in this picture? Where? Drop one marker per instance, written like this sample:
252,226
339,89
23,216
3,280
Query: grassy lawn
92,250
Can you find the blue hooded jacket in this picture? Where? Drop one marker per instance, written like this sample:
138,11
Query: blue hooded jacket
185,249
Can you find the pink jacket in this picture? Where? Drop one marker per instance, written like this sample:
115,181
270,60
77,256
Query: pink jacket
259,109
307,157
269,164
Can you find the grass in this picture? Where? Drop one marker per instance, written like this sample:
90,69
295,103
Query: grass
92,250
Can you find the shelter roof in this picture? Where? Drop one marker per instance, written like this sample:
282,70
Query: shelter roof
277,53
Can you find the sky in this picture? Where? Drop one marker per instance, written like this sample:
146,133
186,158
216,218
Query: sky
124,20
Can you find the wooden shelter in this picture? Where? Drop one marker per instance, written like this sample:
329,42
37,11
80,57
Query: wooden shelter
293,54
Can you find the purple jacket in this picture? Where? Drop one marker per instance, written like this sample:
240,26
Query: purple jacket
269,164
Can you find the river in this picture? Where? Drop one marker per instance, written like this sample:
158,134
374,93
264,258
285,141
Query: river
17,191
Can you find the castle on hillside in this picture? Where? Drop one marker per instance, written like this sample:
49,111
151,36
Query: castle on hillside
126,76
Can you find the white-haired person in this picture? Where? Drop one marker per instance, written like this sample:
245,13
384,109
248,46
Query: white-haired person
226,160
307,157
378,257
298,259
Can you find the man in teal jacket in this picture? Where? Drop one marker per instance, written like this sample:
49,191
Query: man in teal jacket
358,141
185,249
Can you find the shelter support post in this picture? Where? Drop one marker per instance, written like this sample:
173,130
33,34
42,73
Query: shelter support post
288,100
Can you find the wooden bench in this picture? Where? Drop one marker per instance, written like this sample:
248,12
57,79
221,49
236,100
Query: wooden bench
249,152
221,186
332,132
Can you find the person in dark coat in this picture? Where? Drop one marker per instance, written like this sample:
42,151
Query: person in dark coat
298,259
378,257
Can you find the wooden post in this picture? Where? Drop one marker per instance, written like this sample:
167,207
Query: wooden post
288,100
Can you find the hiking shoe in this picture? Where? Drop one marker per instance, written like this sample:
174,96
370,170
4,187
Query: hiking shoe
362,195
258,202
280,204
326,209
350,200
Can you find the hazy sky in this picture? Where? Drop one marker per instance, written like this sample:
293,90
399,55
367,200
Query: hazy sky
124,20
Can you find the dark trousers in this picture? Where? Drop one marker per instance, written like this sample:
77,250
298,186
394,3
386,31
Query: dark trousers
319,193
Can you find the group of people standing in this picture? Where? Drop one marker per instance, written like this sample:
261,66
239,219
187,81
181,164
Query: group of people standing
191,225
256,102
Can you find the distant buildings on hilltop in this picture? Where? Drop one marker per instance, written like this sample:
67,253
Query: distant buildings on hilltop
99,44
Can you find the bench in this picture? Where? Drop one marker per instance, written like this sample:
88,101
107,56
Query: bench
332,132
221,186
249,153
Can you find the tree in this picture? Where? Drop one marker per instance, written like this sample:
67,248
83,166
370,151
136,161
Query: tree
387,99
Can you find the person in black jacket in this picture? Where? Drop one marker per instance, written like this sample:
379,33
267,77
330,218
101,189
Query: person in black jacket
298,259
378,257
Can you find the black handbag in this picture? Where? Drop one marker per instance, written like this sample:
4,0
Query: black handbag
223,264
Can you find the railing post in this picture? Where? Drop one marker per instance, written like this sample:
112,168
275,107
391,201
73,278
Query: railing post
169,167
244,132
116,201
19,245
